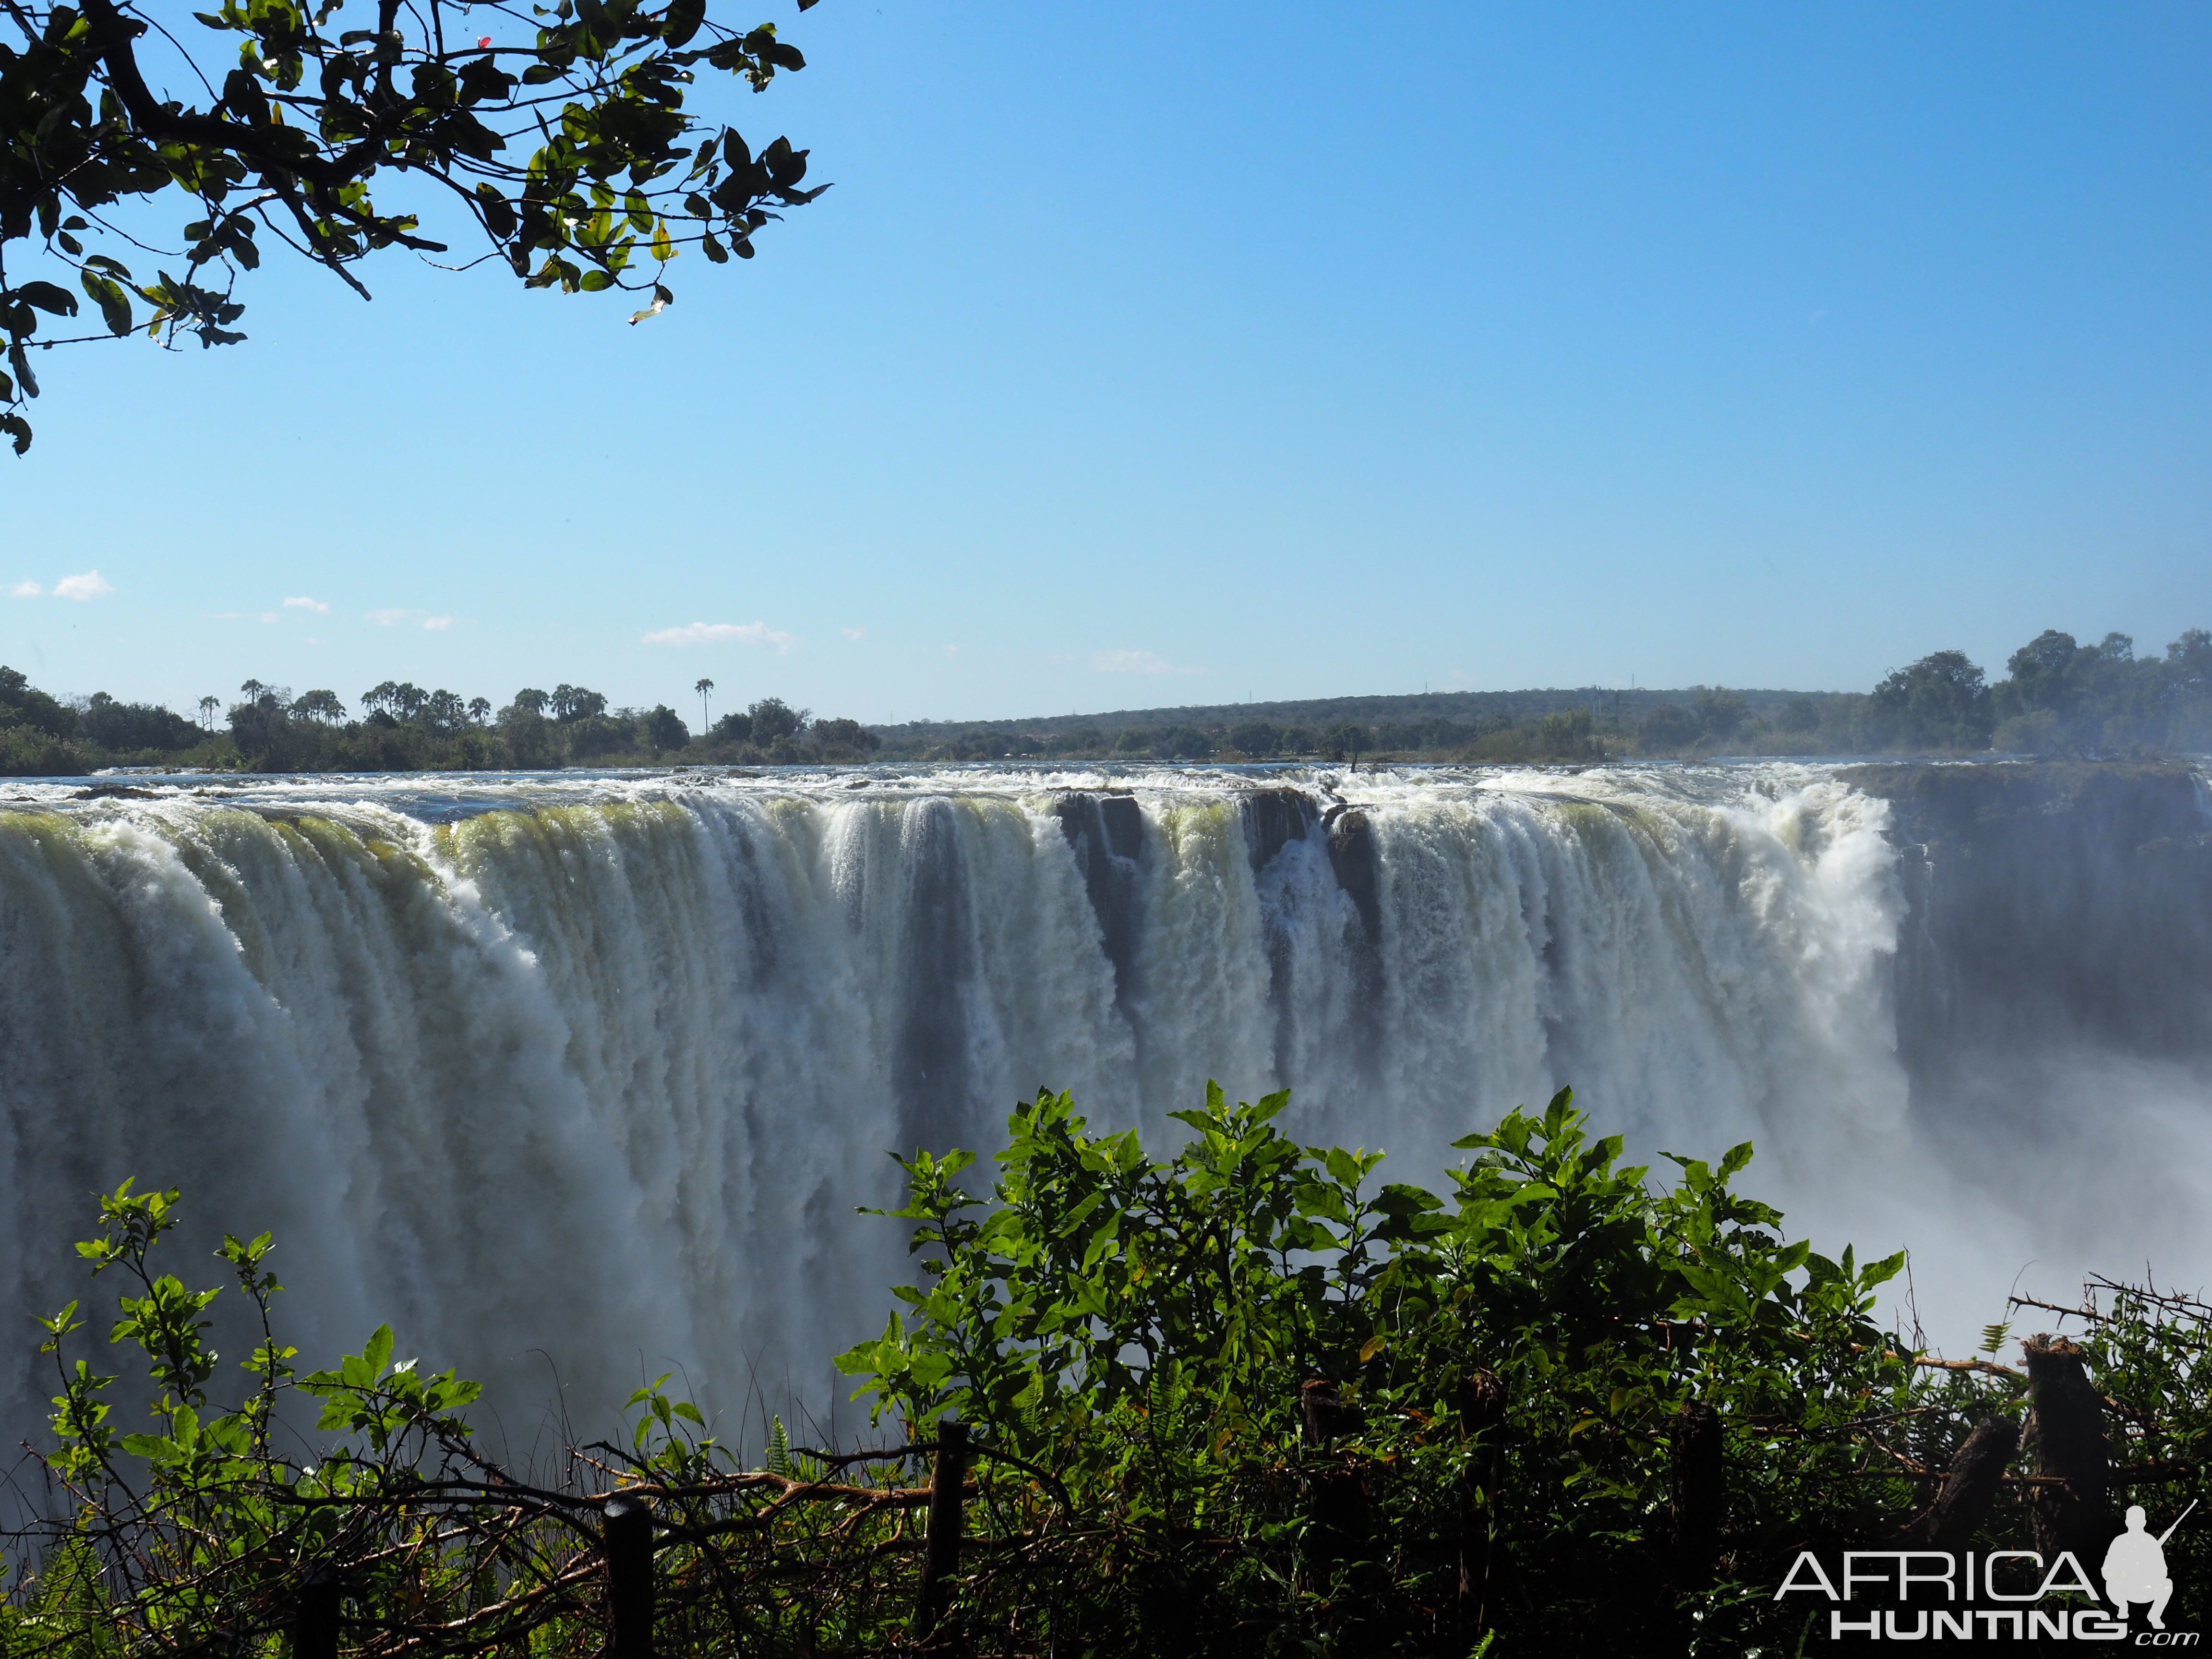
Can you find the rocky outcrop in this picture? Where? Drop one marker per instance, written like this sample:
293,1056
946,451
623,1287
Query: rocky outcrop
2048,903
1107,832
1273,818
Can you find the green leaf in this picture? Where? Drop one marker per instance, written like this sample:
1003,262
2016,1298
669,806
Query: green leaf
114,305
1878,1272
1399,1198
48,297
682,21
498,214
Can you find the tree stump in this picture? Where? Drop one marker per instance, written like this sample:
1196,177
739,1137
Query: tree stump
1325,1415
1970,1486
315,1624
1337,1490
2066,1427
1480,1404
1698,1478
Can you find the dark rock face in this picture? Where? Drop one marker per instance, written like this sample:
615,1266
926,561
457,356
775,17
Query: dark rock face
933,1085
1358,863
2050,904
2054,983
1273,818
1351,854
1107,832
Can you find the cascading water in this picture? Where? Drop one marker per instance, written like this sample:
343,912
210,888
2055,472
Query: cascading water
585,1076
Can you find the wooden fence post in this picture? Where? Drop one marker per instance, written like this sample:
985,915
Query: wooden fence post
1700,1492
626,1535
1481,1406
315,1624
947,1488
1339,1521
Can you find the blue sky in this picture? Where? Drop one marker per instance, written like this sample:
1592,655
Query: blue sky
1147,354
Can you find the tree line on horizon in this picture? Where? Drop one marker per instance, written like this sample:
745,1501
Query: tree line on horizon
401,727
2059,698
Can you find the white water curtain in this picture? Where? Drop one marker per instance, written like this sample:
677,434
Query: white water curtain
590,1085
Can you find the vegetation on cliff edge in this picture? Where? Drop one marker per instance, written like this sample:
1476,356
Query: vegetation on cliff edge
1250,1399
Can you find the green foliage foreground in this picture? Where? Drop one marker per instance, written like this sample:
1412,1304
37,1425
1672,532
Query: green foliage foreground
1249,1401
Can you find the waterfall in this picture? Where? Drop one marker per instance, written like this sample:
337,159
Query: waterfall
583,1079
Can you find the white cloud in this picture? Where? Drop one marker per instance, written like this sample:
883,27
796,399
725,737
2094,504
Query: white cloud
951,650
722,633
852,633
89,586
390,618
1136,662
305,604
26,590
437,624
271,617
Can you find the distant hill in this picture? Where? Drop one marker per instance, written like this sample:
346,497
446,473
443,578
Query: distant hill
1463,707
1565,724
2060,697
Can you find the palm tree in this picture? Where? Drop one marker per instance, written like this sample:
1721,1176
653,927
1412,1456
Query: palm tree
207,706
703,689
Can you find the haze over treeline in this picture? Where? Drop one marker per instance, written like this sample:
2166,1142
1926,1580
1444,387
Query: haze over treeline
2059,695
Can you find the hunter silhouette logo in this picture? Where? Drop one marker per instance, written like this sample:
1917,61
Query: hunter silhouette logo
2135,1566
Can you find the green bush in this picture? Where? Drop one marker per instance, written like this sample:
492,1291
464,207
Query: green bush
1299,1409
1251,1400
